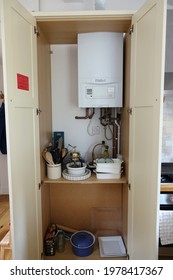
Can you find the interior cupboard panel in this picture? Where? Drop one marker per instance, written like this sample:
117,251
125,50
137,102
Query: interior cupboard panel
45,202
72,205
126,101
45,97
64,28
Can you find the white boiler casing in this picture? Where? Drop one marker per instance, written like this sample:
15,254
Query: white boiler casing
100,69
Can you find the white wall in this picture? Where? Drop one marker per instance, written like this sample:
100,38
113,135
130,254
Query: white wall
64,102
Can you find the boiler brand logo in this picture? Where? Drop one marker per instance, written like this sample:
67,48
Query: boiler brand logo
100,80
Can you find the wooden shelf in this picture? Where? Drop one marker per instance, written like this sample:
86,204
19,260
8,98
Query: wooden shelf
91,180
68,254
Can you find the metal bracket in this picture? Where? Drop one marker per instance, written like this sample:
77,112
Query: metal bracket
38,111
131,29
129,110
40,184
36,31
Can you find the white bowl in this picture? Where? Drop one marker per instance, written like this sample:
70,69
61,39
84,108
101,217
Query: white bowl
76,171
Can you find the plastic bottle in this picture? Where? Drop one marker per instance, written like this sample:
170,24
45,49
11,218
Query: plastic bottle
106,152
60,242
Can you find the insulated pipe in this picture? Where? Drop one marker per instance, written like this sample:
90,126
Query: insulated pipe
114,141
118,137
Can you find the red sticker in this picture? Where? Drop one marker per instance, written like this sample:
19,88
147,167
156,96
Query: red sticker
22,82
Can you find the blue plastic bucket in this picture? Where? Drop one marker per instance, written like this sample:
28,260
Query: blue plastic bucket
82,243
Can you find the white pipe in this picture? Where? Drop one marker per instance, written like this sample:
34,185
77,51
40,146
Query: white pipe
118,138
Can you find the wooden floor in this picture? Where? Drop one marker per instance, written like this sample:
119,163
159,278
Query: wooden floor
4,220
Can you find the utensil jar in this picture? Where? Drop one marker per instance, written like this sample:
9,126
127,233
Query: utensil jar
54,171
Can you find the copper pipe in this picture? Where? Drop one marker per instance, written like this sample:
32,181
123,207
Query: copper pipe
99,144
87,116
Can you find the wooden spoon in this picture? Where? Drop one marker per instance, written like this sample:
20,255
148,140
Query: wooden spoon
49,158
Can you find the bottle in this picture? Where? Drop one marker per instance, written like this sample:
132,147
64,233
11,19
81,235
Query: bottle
60,242
106,152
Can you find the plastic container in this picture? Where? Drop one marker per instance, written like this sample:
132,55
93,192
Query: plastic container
82,243
76,170
109,167
54,171
100,175
60,242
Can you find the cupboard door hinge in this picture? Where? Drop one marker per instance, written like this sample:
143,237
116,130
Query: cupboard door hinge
129,110
129,186
39,185
131,29
38,111
36,31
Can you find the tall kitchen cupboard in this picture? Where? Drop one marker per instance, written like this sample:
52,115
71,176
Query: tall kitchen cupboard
26,40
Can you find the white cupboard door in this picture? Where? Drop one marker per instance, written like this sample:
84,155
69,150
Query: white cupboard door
21,100
147,78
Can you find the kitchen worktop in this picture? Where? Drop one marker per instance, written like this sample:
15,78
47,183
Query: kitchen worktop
166,187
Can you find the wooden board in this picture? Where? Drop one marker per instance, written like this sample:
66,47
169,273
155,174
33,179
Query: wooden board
72,205
62,28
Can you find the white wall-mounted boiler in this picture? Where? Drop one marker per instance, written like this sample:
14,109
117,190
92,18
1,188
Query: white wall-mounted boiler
100,69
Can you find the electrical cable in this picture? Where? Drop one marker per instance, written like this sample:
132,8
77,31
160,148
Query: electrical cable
105,128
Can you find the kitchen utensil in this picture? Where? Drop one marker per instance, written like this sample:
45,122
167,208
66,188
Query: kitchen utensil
56,155
65,228
82,243
60,143
56,152
49,158
64,152
44,155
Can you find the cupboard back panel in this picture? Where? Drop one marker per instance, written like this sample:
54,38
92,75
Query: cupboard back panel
73,205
